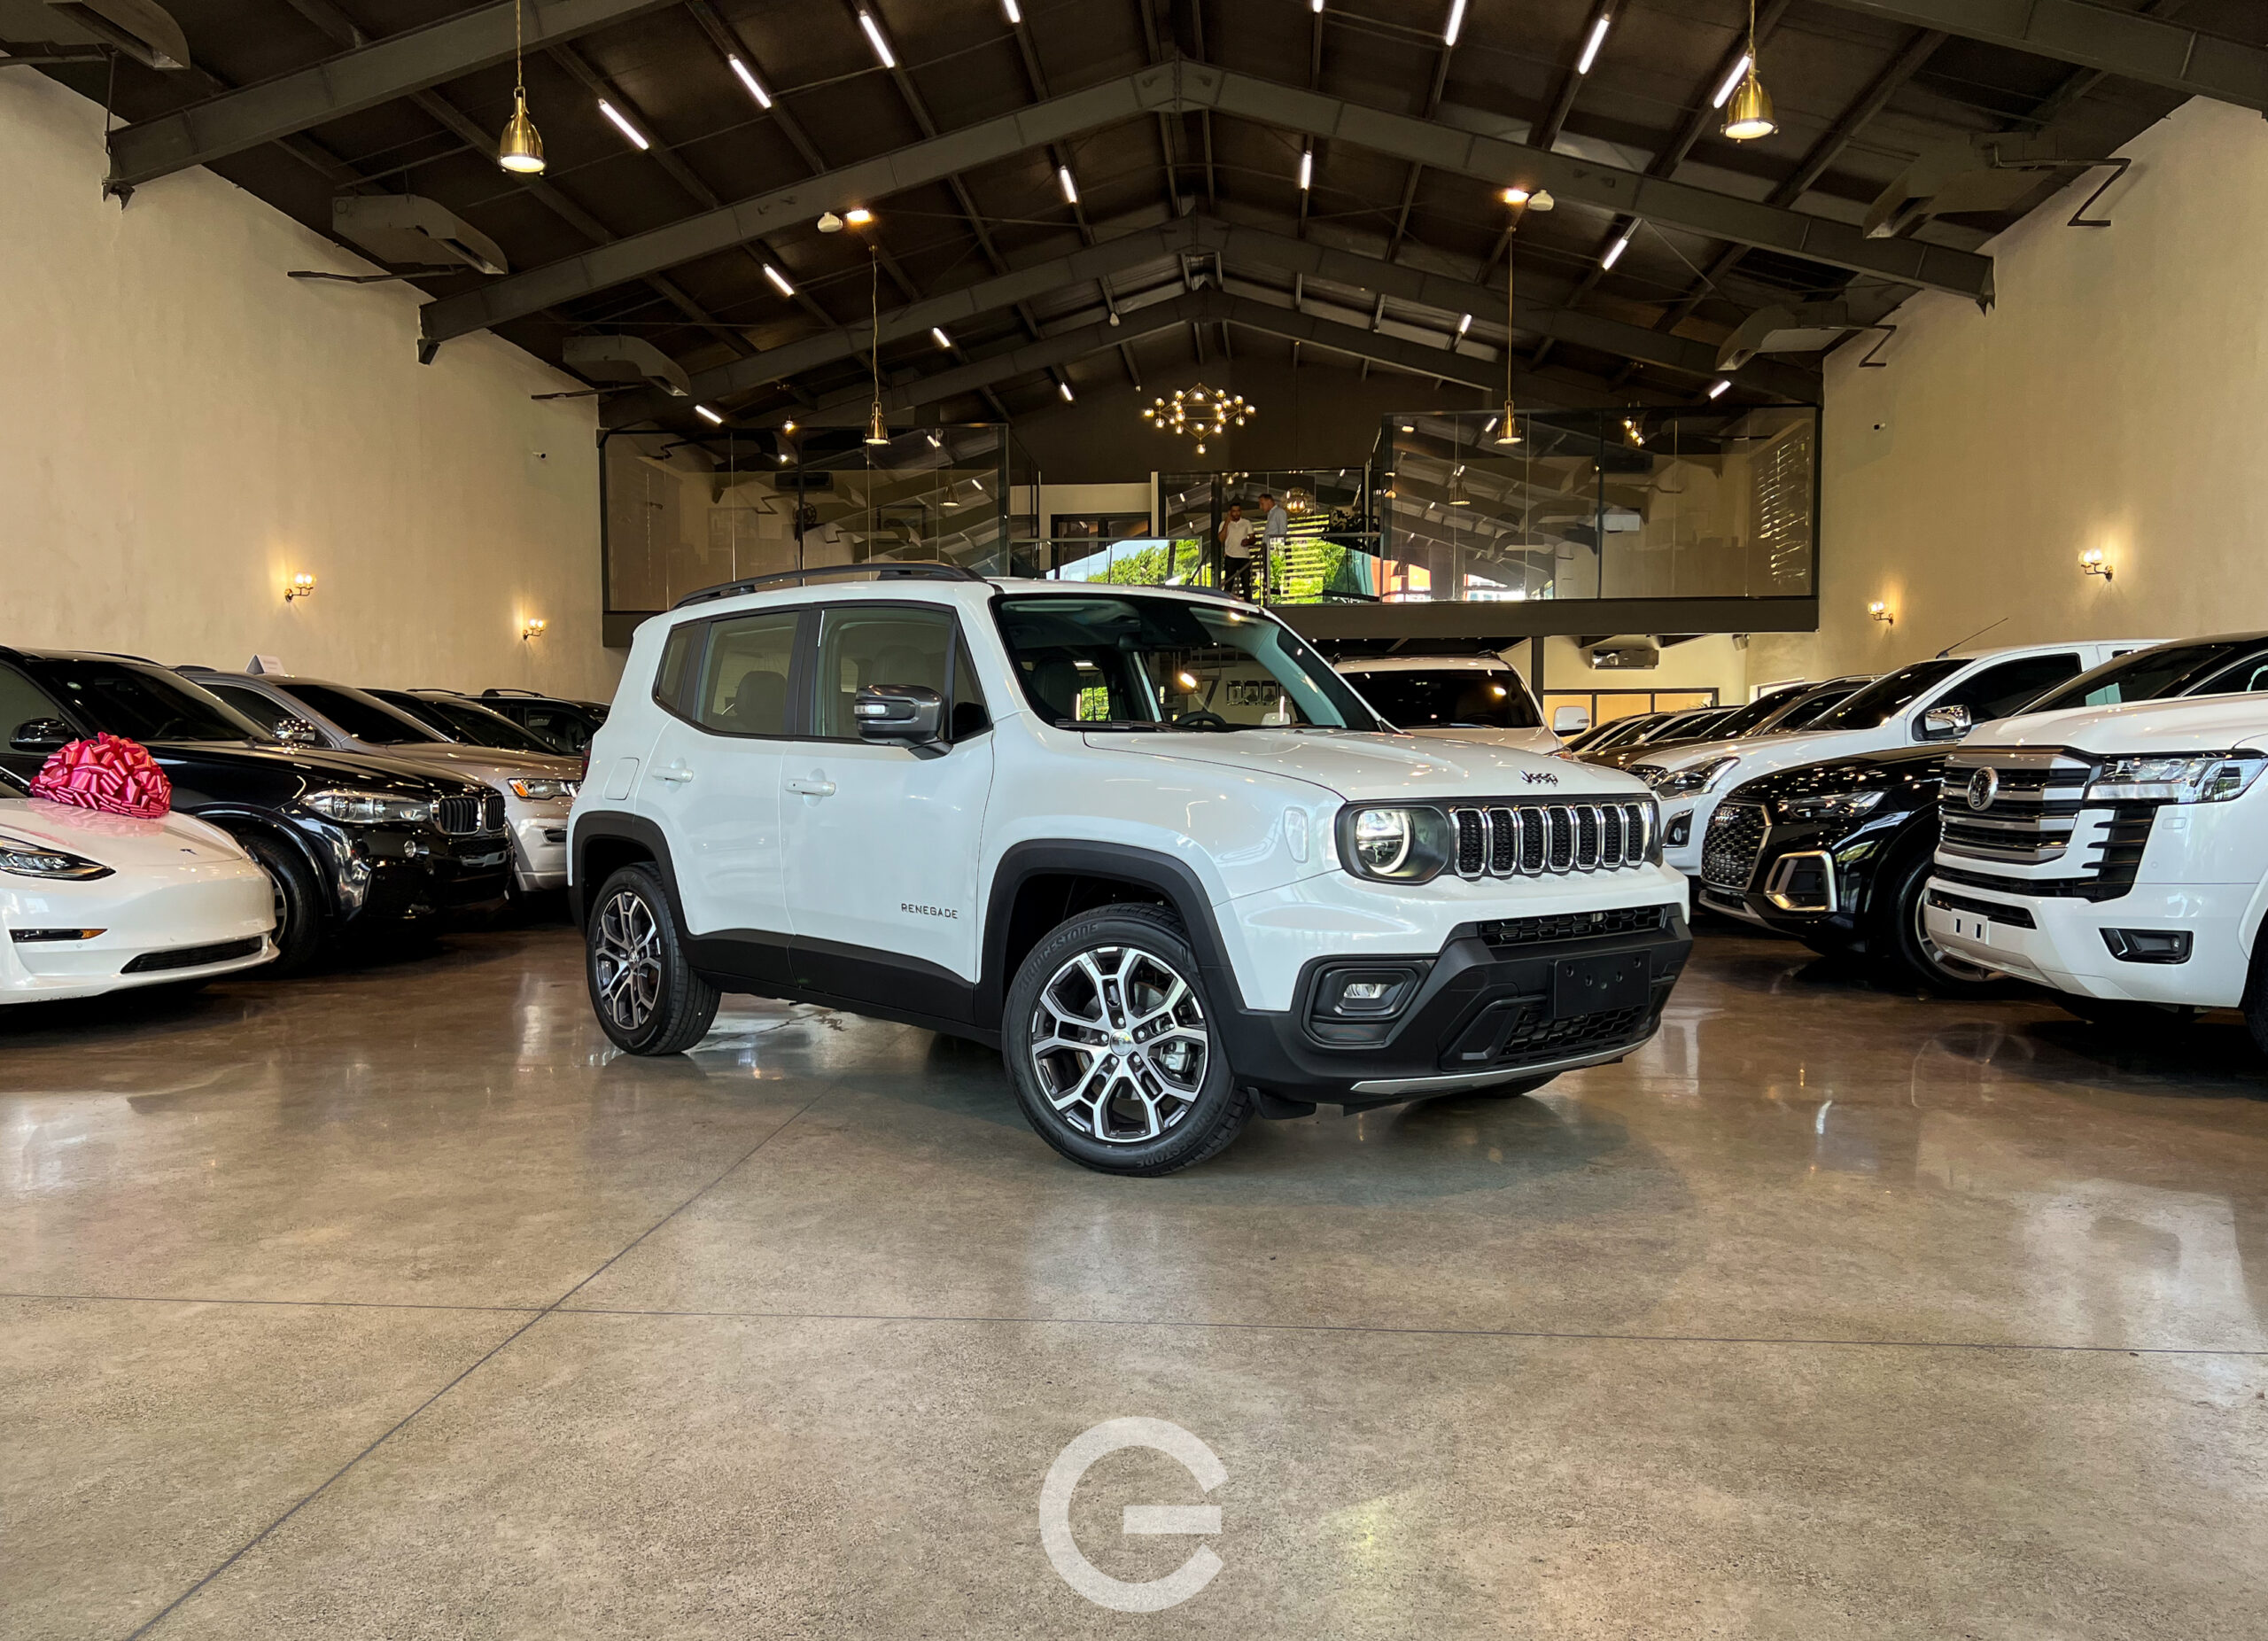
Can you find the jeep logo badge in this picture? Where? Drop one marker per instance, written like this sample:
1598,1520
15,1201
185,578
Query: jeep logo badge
1539,777
1983,787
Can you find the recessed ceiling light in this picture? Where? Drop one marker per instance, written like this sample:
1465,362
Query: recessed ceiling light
708,415
874,38
779,280
1070,188
1456,21
1717,391
1591,46
943,339
630,131
748,78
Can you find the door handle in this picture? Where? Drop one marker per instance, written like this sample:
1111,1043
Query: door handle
811,789
676,774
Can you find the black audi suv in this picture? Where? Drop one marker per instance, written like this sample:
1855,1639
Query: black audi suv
351,841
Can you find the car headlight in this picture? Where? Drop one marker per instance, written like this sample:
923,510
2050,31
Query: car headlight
1832,806
370,808
541,792
22,860
1684,782
2177,778
1396,843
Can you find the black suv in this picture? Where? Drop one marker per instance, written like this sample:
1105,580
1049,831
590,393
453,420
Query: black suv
351,841
568,725
1848,845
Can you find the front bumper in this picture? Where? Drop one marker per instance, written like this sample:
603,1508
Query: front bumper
157,927
1497,1003
2058,940
387,883
539,844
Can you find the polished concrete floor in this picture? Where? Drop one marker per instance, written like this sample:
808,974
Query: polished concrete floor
392,1303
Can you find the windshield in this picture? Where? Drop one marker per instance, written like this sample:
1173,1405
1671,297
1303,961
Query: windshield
461,720
360,715
1889,695
143,703
1164,663
1625,732
1466,699
1812,708
1742,720
2164,670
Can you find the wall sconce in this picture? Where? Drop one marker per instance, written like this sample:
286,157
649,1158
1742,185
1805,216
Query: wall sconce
299,586
532,627
2092,562
1881,612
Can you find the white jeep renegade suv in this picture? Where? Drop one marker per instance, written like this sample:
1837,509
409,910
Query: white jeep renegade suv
1145,842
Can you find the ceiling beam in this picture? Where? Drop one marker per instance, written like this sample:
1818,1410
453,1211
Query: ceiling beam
2128,44
864,181
379,72
1583,181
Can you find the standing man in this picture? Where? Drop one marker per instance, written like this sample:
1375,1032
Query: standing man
1236,552
1276,535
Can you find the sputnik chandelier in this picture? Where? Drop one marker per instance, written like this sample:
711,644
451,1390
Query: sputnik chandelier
1200,412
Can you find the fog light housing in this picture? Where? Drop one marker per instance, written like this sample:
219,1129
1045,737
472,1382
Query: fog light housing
1356,1006
1680,830
2148,945
1803,882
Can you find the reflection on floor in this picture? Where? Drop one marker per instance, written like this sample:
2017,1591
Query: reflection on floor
391,1303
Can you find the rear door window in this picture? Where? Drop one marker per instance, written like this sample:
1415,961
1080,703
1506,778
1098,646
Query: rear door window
1996,691
745,669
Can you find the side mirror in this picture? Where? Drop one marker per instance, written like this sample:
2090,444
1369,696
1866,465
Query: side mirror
902,714
1946,723
296,731
41,735
1571,720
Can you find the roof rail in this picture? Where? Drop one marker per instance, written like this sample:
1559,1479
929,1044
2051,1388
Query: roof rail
532,695
887,570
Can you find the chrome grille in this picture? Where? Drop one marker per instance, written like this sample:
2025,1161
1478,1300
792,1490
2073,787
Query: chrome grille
1534,840
1730,848
2033,807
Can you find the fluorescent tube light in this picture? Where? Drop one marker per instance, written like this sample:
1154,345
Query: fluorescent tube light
1614,251
1591,46
637,139
1070,187
754,86
874,38
1732,82
708,415
1456,21
1307,168
779,280
1717,390
943,339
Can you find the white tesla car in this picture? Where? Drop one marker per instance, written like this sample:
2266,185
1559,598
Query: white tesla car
93,903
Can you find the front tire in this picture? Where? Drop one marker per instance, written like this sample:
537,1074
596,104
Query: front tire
645,993
298,906
1902,936
1113,1044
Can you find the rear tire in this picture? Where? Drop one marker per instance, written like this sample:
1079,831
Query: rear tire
1901,935
645,993
1114,1046
298,905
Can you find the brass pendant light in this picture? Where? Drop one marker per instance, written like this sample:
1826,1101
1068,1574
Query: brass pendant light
1749,114
521,150
1507,430
877,430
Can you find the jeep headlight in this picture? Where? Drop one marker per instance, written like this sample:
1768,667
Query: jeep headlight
370,808
18,858
539,791
1832,806
1396,843
2175,778
1685,782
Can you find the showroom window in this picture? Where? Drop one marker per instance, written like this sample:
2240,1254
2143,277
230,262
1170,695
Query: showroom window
744,673
860,646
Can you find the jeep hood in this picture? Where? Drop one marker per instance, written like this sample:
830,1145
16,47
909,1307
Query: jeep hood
2199,724
1377,767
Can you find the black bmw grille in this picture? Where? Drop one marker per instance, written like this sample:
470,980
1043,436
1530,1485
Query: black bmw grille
1730,848
462,816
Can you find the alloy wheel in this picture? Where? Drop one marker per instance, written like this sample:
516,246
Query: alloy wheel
1119,1044
628,955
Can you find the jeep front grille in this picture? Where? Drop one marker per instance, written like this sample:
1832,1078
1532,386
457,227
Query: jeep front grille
1730,847
1551,840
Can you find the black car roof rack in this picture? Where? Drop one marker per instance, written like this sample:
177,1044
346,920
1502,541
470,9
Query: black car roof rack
890,570
531,695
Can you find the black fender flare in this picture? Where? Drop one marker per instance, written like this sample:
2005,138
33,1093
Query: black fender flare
235,819
1153,869
584,828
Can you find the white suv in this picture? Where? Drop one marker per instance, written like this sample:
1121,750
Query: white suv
1934,700
1147,843
2116,853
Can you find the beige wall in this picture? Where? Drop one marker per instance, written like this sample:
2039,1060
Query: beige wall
183,428
2114,397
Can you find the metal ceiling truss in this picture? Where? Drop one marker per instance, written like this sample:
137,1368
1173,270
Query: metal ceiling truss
2130,44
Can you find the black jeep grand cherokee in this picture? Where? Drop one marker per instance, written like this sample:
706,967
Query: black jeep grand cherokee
351,841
